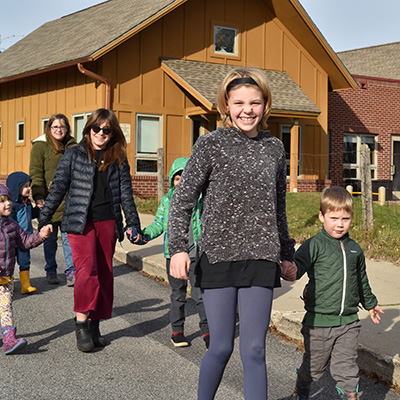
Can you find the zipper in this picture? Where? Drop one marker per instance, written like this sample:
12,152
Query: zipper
344,278
6,239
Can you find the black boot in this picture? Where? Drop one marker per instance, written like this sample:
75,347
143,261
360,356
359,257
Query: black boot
84,341
97,339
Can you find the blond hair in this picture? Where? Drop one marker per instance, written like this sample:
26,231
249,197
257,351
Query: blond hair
259,78
336,198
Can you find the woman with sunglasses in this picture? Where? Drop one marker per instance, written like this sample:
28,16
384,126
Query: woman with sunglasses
46,153
95,176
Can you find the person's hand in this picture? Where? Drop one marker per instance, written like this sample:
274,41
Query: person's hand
133,235
46,231
180,264
39,203
374,314
289,270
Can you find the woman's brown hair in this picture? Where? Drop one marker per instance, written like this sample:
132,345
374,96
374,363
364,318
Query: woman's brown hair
56,144
116,147
260,80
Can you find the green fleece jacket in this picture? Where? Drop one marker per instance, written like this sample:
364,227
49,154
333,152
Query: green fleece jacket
160,223
42,168
338,280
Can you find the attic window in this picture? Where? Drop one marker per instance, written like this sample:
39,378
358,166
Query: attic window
225,40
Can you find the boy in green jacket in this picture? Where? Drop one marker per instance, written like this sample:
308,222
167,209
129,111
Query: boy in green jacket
179,286
338,283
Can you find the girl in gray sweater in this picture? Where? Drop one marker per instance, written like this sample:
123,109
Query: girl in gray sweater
240,170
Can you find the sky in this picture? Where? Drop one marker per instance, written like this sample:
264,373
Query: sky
345,24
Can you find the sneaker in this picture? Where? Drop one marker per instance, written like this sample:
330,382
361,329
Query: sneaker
70,278
178,339
51,278
206,339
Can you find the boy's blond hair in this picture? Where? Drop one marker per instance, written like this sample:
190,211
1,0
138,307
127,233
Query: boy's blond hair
4,197
336,198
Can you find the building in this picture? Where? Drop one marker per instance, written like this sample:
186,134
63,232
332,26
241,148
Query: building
158,65
369,114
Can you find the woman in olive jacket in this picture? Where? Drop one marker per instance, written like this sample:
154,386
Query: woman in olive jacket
95,176
46,153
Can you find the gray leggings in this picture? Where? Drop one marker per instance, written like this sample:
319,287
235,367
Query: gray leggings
254,305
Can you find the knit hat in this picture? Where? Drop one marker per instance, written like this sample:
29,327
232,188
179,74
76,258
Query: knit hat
5,191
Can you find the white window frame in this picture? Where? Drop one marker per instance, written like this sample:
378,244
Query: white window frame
78,135
151,156
235,51
356,166
20,123
300,159
43,126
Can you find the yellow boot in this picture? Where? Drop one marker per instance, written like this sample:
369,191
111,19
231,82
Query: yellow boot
26,287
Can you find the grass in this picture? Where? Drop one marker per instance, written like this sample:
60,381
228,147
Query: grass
382,243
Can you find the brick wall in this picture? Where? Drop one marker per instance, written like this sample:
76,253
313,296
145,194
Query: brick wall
372,108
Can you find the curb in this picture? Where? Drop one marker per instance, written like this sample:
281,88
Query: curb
287,323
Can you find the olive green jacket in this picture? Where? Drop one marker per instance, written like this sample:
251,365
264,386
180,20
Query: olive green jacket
42,168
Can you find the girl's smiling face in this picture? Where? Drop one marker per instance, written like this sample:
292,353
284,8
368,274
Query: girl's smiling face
100,139
246,106
5,207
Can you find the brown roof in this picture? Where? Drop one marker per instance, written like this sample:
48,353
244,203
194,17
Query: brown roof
381,61
202,80
79,35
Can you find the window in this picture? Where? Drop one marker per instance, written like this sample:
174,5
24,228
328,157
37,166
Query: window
78,123
202,125
225,40
20,132
44,123
352,155
285,137
148,140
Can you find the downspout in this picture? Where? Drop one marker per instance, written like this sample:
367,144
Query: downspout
90,74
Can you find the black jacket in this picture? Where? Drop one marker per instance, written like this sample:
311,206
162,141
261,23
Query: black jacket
74,177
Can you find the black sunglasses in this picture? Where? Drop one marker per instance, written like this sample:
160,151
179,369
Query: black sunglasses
106,131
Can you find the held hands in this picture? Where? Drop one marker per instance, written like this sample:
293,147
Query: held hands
179,267
374,314
289,270
46,231
133,235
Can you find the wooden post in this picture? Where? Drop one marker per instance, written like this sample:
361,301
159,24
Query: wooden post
160,173
366,188
294,157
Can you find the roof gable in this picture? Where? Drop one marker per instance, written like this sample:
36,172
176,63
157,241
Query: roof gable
202,80
376,61
81,35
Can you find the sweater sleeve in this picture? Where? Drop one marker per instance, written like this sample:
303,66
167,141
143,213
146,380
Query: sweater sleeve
303,259
287,244
25,240
193,182
157,227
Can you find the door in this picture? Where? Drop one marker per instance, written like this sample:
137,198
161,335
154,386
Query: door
396,166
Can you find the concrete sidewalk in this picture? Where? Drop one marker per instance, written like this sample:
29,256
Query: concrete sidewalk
379,344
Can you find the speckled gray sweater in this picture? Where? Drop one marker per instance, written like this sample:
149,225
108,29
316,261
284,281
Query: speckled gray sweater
243,182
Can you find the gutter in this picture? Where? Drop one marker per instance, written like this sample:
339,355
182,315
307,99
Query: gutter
91,74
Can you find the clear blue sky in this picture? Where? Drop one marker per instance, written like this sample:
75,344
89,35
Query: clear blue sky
345,24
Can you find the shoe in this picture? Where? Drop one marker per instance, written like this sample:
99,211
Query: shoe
97,339
51,278
11,344
178,339
347,396
26,287
302,389
70,278
84,340
206,339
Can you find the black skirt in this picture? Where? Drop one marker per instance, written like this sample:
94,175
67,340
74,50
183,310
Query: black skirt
244,273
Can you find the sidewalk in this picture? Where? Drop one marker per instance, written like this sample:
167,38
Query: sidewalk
379,344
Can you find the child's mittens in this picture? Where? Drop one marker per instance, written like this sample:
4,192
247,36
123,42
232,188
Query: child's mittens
131,234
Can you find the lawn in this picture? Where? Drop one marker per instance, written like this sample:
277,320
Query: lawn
382,243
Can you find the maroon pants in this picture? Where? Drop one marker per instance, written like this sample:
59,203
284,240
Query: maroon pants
92,253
